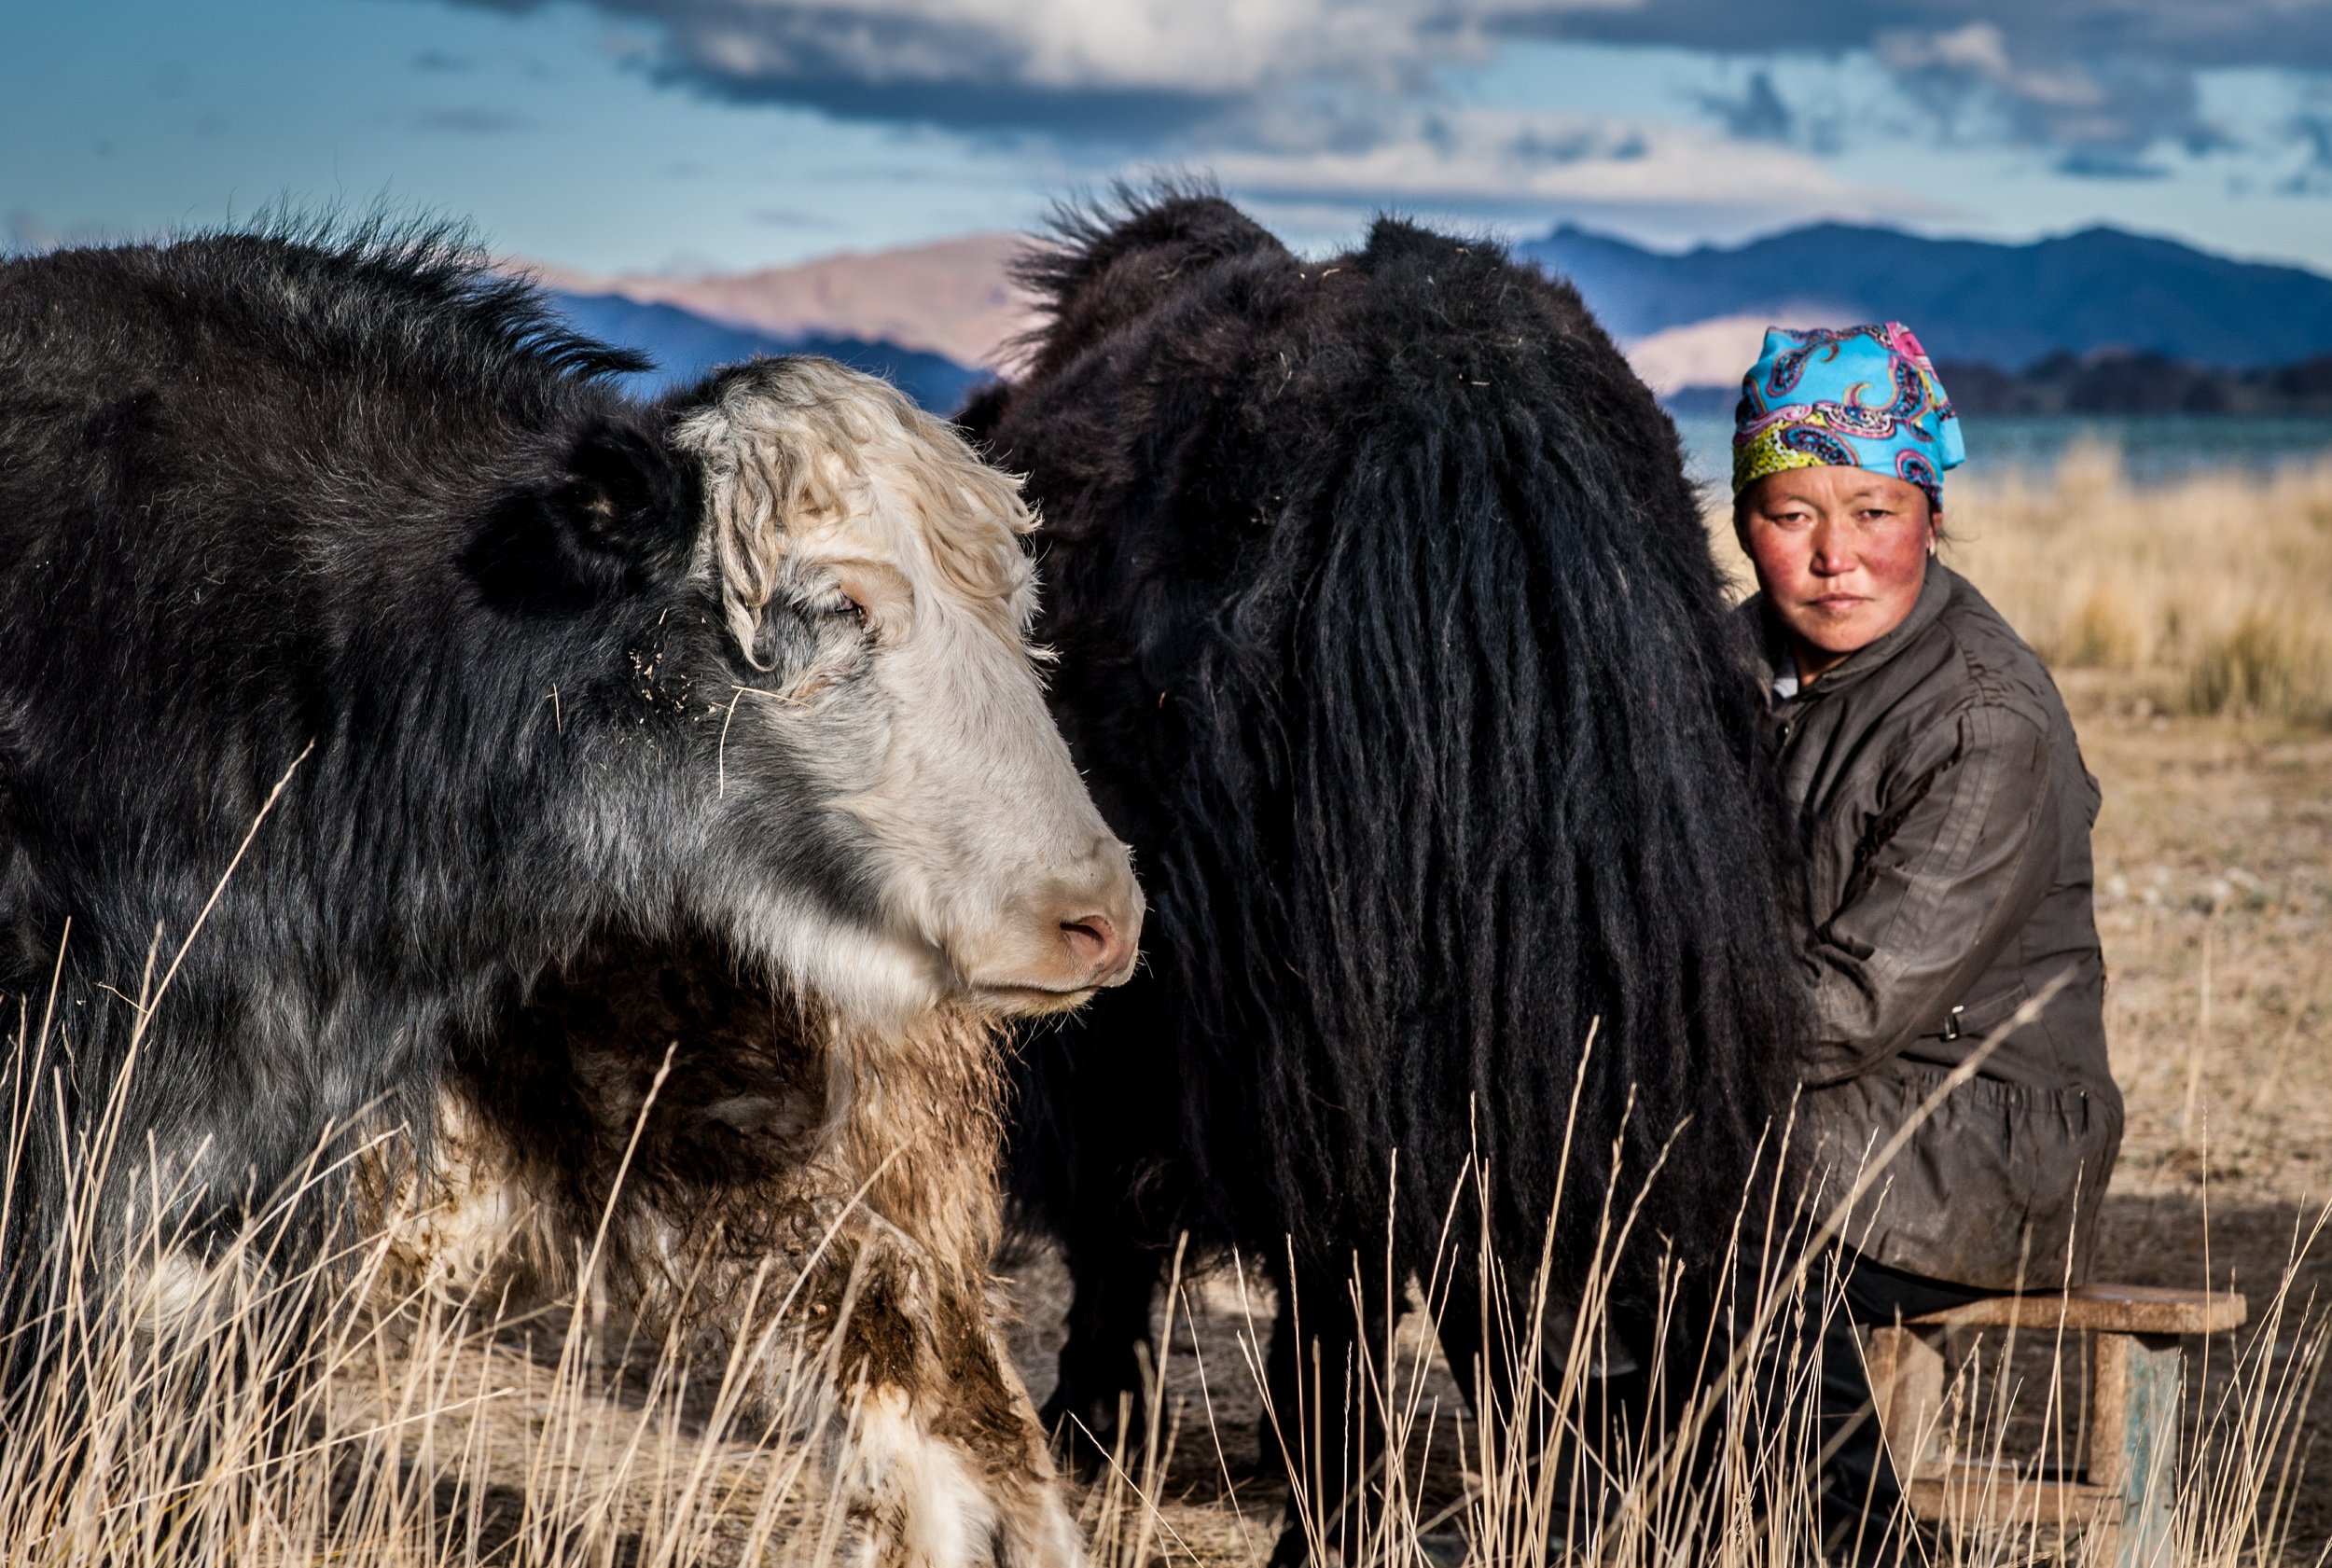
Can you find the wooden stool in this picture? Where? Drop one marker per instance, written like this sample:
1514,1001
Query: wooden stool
2123,1495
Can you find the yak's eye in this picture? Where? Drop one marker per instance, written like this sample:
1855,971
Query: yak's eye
840,603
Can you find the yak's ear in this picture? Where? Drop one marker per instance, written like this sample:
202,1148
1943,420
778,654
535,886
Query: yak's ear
620,513
627,495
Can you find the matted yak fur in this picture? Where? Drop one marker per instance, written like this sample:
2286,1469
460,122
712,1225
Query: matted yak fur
402,728
814,1190
794,464
1391,640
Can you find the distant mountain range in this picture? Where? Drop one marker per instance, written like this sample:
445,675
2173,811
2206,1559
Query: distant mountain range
937,318
686,346
950,296
2002,305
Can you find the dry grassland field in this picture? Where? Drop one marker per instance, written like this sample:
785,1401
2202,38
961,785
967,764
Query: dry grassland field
2190,625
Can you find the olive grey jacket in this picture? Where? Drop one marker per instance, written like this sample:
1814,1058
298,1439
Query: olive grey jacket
1944,814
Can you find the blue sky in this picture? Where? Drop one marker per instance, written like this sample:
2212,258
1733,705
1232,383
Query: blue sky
694,134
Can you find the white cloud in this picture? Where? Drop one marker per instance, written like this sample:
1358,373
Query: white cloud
1311,104
1491,158
1200,49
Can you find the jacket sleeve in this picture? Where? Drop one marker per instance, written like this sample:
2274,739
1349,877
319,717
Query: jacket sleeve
1950,862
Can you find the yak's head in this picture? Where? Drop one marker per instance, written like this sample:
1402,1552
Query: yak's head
872,575
825,699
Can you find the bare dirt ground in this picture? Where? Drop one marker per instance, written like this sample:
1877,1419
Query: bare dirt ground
2215,879
2215,901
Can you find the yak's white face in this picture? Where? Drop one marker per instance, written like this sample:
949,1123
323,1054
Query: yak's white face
873,568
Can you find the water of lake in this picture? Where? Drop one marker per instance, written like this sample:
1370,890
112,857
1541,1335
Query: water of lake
2152,449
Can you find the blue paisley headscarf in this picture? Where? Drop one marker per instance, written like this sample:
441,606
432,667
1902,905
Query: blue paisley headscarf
1857,398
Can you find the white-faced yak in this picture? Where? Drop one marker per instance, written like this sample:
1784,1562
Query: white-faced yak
399,726
1389,638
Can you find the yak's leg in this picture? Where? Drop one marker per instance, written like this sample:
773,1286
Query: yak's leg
1113,1284
944,1464
1276,1434
986,1411
1325,1392
1479,1344
1594,1425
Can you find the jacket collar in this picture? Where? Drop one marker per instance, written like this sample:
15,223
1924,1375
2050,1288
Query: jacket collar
1774,639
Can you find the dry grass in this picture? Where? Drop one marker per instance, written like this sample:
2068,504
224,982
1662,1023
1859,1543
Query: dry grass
186,1416
198,1424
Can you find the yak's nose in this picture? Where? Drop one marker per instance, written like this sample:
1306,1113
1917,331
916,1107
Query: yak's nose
1099,946
1098,915
1057,943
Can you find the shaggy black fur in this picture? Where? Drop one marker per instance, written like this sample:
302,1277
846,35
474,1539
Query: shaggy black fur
267,497
1391,640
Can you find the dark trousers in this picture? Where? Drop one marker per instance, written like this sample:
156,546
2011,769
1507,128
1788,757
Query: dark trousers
1862,1502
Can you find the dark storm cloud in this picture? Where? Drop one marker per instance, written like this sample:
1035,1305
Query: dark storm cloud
2105,112
2098,164
1135,73
2106,85
2313,177
2291,33
1131,117
1758,114
2100,81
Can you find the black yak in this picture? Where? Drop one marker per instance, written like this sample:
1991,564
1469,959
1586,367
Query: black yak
1391,640
574,722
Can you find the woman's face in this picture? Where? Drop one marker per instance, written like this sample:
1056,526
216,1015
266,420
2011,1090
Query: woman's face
1840,554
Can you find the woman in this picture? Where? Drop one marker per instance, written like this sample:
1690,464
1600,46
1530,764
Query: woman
1944,814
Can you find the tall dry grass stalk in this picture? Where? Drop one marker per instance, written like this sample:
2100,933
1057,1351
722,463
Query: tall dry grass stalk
1731,1478
256,1411
245,1409
2210,593
242,1405
1734,1487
